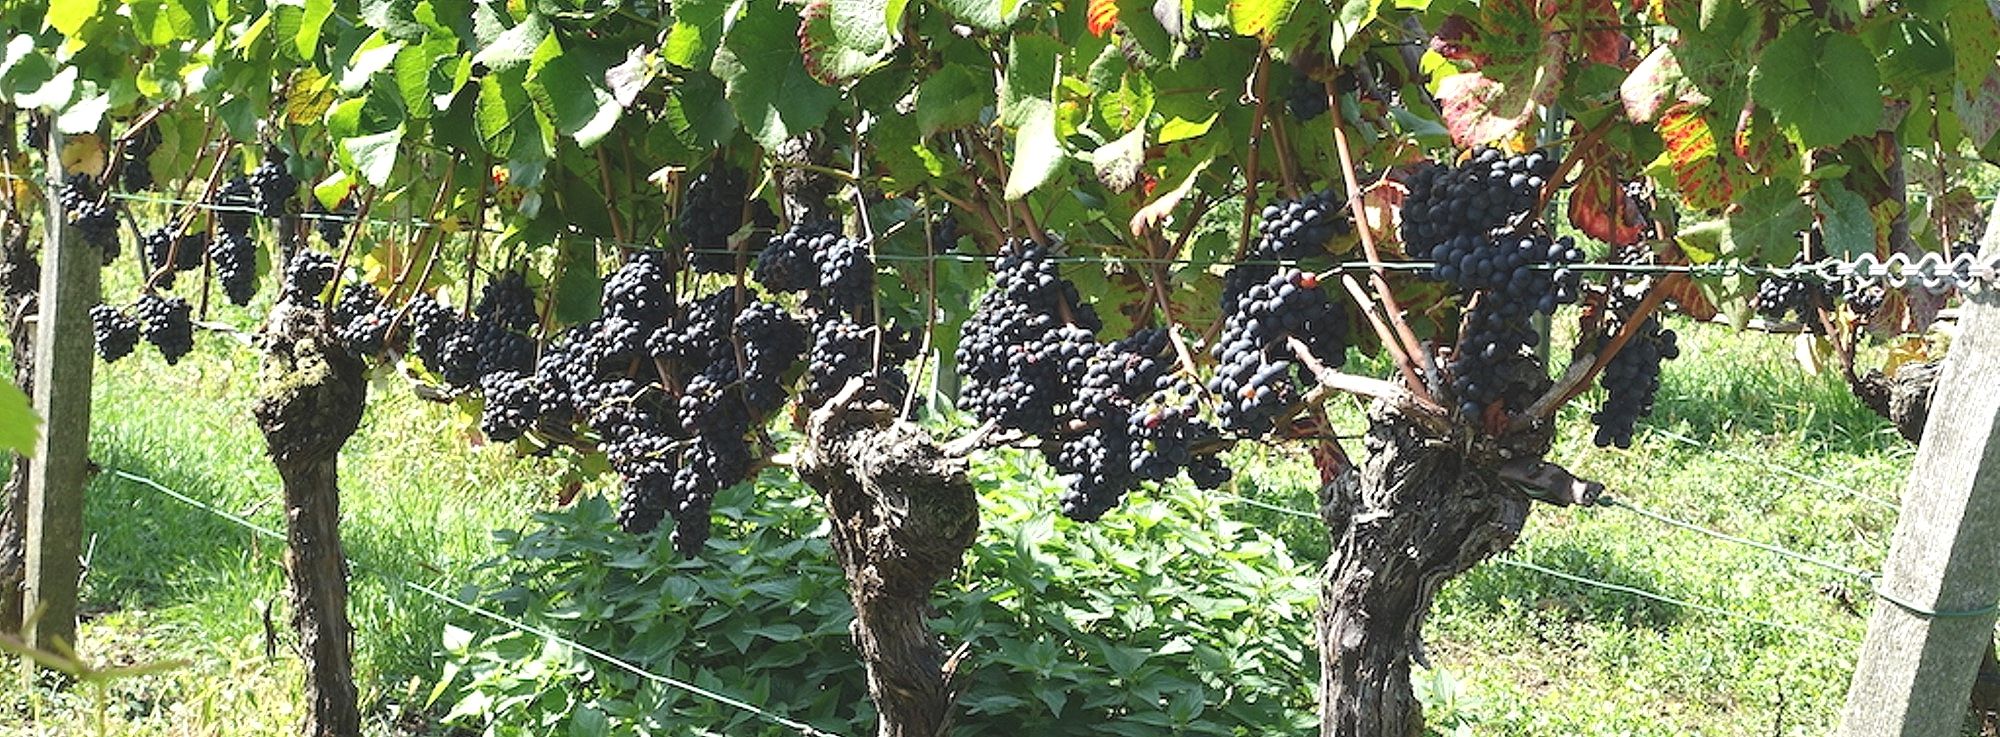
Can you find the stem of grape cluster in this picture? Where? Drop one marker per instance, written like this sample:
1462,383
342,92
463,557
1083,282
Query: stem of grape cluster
1376,276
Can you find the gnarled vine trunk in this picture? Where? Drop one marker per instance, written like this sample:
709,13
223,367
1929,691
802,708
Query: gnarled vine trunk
308,404
1420,510
903,517
20,286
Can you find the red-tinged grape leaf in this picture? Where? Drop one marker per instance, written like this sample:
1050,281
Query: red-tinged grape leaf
1687,294
1759,145
1455,40
1331,462
1381,211
1978,109
1101,16
1821,87
1694,158
1594,27
1600,207
1496,101
1652,85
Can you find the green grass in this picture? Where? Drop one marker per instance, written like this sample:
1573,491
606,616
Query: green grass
1526,654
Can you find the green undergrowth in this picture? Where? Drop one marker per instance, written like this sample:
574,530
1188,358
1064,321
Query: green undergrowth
1181,613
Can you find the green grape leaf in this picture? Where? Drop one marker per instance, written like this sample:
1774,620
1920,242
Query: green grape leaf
163,22
515,46
68,16
1117,163
951,98
17,419
765,79
372,156
1975,39
1765,222
373,56
307,39
1037,154
1028,89
53,94
1845,220
1348,24
503,111
1978,109
577,288
987,15
1260,19
570,95
1821,87
1652,86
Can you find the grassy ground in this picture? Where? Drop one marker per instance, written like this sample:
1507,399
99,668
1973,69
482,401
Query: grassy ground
1517,652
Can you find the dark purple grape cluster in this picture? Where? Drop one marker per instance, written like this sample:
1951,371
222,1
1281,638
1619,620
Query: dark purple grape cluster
331,225
1024,349
233,251
787,263
1480,195
846,276
1144,425
116,332
513,405
1780,297
362,317
507,302
843,348
135,167
1518,274
711,212
168,242
1287,230
1493,362
1254,382
1305,98
1863,298
92,218
234,254
1632,378
772,343
307,275
167,323
271,184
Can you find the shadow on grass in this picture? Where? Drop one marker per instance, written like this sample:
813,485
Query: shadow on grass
1497,588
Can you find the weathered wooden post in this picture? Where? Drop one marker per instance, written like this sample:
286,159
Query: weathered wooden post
1942,578
57,471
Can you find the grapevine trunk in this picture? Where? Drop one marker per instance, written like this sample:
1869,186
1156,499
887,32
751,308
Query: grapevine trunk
308,405
903,517
1419,511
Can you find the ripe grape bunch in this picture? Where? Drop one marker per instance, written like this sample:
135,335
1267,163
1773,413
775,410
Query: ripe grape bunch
234,251
712,212
271,184
1143,425
135,170
789,262
169,242
1779,297
92,219
1025,347
1632,378
307,276
1305,98
1476,197
1253,378
115,331
166,323
496,338
362,318
1287,230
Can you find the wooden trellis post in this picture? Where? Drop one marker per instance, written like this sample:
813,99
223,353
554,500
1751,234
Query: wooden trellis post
57,472
1942,578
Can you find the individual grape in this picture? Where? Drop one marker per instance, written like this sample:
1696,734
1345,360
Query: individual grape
271,185
307,275
711,212
234,254
166,323
116,332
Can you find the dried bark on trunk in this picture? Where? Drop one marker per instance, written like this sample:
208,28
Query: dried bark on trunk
308,404
1904,400
1419,511
903,517
20,285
